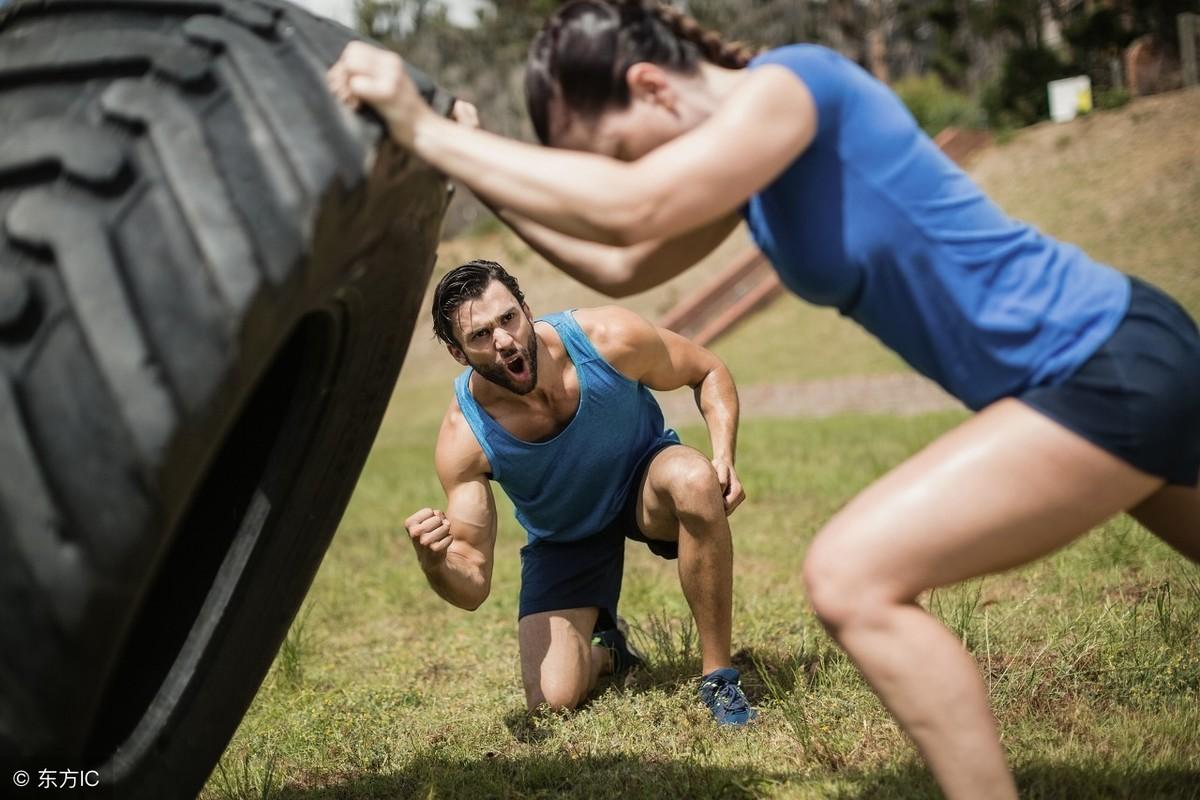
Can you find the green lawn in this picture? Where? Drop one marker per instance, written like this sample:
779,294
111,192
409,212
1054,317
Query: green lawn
808,343
384,691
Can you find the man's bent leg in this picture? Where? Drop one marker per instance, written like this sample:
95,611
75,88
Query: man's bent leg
681,501
559,665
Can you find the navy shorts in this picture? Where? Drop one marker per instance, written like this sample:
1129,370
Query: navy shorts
1138,396
586,573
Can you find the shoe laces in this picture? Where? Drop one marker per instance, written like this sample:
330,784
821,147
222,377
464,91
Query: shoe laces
727,694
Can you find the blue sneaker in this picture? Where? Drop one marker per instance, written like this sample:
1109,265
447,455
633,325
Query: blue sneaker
616,641
724,697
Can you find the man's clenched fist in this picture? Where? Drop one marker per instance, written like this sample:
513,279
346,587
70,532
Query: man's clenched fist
429,530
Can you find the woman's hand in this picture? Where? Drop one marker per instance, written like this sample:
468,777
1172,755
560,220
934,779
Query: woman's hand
368,74
465,113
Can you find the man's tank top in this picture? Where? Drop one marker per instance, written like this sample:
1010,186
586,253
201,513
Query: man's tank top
573,484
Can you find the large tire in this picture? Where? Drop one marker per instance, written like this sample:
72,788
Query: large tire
209,275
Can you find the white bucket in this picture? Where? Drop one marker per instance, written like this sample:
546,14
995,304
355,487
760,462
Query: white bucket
1069,97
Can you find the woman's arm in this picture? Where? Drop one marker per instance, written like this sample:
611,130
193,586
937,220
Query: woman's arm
687,183
614,271
620,271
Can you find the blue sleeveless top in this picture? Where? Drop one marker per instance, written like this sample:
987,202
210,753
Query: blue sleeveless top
572,485
874,219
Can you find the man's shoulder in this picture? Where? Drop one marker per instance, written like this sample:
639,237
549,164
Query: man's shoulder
456,429
612,326
458,448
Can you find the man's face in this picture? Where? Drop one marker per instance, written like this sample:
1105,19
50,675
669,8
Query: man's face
497,339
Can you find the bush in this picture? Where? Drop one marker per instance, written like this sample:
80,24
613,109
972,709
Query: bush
1019,97
1112,98
935,105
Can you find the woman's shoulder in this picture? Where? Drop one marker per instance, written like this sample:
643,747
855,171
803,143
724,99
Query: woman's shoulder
826,72
801,54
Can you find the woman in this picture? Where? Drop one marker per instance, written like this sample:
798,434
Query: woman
1087,383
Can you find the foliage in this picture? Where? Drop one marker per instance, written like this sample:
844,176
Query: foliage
1159,18
1103,31
1111,98
764,23
1019,96
936,106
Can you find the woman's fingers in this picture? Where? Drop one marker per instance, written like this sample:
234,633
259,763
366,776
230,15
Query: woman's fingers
370,73
338,81
465,113
361,57
365,73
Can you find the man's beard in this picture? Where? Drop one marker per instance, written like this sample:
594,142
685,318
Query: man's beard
500,375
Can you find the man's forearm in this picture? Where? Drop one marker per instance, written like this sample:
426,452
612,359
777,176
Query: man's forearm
716,397
459,584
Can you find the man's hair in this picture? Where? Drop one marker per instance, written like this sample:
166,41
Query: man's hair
463,283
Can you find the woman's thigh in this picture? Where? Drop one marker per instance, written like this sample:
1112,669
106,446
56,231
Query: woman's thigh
1173,515
1005,487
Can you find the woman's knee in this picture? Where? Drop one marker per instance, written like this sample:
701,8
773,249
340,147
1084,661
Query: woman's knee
844,589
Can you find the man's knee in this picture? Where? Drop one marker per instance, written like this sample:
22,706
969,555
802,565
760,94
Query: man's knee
557,692
692,484
556,657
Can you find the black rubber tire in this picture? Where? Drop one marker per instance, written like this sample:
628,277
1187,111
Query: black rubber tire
209,275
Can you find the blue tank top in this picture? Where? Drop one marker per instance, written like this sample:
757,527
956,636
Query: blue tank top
875,220
572,485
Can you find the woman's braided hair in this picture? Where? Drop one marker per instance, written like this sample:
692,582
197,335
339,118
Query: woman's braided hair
583,52
731,55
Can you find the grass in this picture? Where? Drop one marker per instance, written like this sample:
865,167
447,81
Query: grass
1091,656
811,343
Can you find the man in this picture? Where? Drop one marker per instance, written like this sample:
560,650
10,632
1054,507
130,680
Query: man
559,414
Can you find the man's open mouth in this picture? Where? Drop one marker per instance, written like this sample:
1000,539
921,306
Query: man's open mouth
516,366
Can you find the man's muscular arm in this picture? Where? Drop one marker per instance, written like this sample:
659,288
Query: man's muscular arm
664,360
455,548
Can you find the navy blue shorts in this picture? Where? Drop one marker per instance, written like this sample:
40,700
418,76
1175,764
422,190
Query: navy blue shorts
1138,396
586,573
